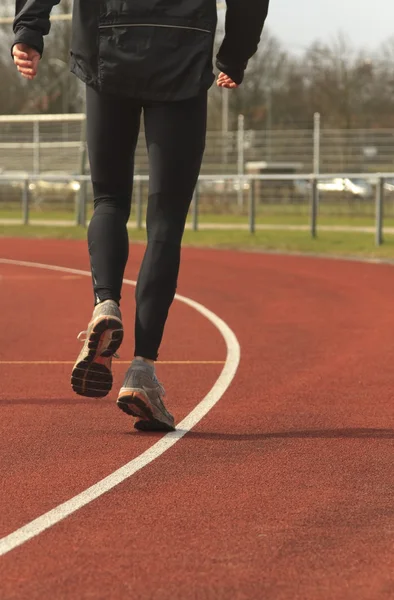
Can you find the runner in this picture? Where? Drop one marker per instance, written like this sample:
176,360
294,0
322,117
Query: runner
150,57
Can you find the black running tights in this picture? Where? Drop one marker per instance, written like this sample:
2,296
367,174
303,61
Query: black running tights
175,137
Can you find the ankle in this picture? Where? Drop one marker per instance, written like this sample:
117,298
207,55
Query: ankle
107,300
147,360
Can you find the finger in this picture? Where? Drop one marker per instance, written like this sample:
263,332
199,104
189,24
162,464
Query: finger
24,68
229,86
26,71
226,81
23,63
20,54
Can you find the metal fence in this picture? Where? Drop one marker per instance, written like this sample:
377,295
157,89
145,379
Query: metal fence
54,143
250,196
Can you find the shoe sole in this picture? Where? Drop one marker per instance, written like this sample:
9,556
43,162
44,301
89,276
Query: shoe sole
152,425
138,405
90,376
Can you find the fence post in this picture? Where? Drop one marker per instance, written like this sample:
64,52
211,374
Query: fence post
36,146
379,212
252,206
81,198
316,143
82,205
25,202
314,203
195,208
268,126
138,203
316,158
225,123
241,158
77,208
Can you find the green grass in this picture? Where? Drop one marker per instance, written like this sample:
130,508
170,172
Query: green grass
340,244
47,215
266,214
301,219
42,232
327,243
272,219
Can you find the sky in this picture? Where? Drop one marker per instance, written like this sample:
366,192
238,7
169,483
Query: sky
297,23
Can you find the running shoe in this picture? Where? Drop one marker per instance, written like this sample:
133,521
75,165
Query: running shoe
91,375
142,397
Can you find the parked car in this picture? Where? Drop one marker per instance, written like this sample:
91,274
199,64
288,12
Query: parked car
45,190
359,187
11,187
222,186
355,187
389,185
60,193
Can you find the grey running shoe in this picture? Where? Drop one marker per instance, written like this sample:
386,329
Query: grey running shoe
91,375
141,396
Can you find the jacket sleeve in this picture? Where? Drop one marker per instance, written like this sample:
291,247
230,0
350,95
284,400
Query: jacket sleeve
32,22
244,23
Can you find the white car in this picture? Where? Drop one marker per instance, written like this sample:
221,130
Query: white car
43,189
355,187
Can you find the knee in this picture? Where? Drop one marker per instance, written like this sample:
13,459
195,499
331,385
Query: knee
109,205
169,233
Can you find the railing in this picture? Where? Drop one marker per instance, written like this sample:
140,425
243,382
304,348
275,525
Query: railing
48,142
244,182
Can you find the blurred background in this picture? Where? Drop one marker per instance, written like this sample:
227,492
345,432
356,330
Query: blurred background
317,98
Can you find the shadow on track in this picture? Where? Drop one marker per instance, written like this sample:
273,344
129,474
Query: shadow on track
348,433
351,433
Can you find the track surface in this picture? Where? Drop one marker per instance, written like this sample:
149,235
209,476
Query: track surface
284,490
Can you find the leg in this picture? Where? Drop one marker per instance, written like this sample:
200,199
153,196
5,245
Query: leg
175,134
112,131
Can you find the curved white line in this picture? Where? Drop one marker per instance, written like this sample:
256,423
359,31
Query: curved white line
50,518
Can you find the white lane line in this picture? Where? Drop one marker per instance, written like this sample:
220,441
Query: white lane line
50,518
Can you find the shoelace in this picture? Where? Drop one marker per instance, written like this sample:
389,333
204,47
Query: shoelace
159,385
83,336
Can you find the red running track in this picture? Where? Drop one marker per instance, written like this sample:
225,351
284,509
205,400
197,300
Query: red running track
283,491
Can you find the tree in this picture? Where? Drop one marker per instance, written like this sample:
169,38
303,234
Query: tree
55,90
255,99
349,87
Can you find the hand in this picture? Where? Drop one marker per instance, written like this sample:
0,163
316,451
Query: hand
26,60
226,82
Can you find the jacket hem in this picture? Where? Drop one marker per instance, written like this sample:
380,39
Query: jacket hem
94,82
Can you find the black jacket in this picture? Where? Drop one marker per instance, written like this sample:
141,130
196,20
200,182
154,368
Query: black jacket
149,49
